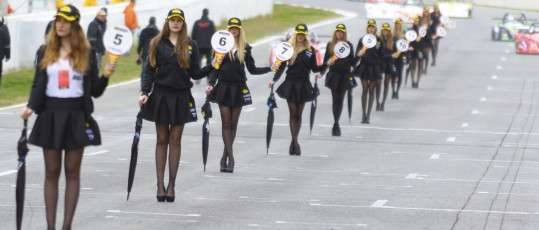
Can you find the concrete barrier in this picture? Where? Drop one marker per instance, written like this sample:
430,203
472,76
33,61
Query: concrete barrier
28,30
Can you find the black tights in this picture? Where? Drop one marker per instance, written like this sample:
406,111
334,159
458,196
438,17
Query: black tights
296,111
168,136
435,50
368,88
426,57
387,78
229,119
338,101
413,70
53,168
399,66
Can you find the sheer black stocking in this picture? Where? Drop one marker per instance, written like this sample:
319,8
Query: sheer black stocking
338,101
296,111
168,137
229,119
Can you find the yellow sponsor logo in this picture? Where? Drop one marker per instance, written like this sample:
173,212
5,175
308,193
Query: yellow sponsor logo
351,78
301,27
190,104
340,26
310,50
245,91
244,51
234,20
176,11
190,48
65,9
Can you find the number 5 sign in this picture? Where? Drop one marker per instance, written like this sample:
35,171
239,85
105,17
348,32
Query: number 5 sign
117,41
222,42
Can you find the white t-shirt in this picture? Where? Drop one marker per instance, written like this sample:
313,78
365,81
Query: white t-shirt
64,82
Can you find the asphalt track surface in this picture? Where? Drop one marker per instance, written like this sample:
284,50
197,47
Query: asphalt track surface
460,152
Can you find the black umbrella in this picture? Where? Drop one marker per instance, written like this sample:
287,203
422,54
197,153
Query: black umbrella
206,114
316,92
134,152
22,149
272,104
407,70
350,104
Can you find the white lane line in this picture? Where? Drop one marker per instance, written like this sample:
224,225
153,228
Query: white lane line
494,77
250,109
8,172
378,204
507,51
451,139
489,88
512,194
475,111
96,153
504,59
411,176
464,125
483,99
435,209
435,156
498,67
155,213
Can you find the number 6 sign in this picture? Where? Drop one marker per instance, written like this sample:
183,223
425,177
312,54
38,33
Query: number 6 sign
117,41
222,42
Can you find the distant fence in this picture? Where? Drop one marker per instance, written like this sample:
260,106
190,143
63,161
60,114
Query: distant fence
28,30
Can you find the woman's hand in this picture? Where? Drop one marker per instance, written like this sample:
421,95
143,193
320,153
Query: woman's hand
332,61
216,60
351,69
109,69
411,48
142,100
361,52
270,84
208,89
26,112
317,76
275,66
395,55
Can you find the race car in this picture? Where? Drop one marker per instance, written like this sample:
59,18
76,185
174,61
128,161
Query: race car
319,46
506,28
456,8
527,41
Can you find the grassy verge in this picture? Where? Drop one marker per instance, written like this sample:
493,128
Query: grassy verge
15,87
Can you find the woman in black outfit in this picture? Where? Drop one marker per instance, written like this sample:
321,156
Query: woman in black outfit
231,91
425,21
339,78
369,70
172,62
399,61
65,80
297,88
416,50
387,65
435,22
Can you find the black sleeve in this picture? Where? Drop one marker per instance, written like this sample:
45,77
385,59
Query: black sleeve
194,33
214,75
351,56
194,69
356,55
212,28
326,58
314,63
99,84
149,74
141,41
33,92
280,71
7,41
92,34
250,63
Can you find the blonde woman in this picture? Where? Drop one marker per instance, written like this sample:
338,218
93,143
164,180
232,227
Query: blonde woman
65,80
425,22
297,88
172,62
339,78
398,33
387,65
231,91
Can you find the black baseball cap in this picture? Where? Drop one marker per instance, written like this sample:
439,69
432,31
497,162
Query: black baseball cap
386,26
341,27
68,12
371,23
302,29
234,22
176,13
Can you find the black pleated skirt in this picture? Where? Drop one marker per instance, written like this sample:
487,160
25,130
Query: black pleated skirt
340,81
168,106
388,68
62,125
368,72
417,54
231,94
296,90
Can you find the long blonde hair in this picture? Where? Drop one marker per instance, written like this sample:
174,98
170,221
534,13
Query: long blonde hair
80,48
241,46
425,20
293,42
181,49
398,33
388,39
334,41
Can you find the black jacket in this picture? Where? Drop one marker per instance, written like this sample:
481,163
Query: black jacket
5,41
386,53
301,68
341,66
167,73
233,71
203,29
372,56
419,46
146,35
93,86
96,29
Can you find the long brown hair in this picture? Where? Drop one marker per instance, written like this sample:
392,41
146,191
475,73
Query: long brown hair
388,39
334,40
398,33
425,20
241,47
293,41
181,49
80,48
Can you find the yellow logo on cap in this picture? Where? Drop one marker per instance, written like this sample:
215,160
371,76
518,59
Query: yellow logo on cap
340,26
301,27
176,11
234,20
65,9
371,21
245,91
426,8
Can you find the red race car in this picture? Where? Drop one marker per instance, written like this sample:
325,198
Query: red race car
527,41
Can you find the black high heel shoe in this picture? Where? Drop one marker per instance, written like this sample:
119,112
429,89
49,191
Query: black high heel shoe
230,168
291,150
170,198
160,198
223,165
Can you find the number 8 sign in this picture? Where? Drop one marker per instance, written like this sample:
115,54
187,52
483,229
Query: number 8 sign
117,41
